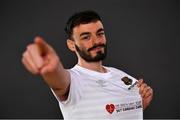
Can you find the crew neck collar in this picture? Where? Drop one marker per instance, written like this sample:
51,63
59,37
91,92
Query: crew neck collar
92,72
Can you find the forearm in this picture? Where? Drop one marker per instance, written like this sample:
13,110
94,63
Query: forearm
58,80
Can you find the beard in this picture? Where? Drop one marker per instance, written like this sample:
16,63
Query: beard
85,54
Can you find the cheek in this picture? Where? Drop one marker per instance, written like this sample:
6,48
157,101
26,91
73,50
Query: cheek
83,48
86,45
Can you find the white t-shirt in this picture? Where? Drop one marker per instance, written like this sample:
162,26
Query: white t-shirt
94,95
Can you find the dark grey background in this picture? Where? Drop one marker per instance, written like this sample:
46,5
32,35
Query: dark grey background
143,40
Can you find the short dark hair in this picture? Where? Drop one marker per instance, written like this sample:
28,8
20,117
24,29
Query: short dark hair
83,17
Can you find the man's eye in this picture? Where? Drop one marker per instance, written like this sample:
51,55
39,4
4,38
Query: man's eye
85,38
101,34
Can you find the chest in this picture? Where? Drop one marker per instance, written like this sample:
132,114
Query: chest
109,97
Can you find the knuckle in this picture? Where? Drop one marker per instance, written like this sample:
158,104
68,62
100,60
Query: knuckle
22,60
151,90
145,85
25,54
30,46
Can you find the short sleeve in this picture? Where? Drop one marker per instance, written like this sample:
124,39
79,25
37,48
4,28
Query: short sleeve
75,89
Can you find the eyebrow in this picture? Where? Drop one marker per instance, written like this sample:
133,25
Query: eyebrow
84,33
101,29
87,33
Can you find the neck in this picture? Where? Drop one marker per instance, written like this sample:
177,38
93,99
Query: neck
96,66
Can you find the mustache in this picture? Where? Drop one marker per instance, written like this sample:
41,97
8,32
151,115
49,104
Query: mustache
95,46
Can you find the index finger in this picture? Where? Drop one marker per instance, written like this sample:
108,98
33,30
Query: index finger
43,45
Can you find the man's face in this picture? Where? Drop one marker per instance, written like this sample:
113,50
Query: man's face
90,41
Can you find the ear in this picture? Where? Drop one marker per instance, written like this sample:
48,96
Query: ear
71,44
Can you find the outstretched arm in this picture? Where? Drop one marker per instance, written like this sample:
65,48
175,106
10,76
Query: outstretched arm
40,59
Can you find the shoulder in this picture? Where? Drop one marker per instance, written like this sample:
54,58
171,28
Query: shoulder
75,74
73,71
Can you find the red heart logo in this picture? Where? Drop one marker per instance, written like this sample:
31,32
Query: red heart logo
110,108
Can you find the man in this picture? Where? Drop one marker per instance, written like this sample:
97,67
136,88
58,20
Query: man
89,90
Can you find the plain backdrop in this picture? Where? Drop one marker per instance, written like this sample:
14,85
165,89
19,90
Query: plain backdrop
143,40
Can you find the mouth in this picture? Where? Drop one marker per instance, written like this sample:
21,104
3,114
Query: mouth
96,48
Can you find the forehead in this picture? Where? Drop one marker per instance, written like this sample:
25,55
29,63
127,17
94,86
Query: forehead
89,27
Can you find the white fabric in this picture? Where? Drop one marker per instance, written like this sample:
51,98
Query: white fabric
94,95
